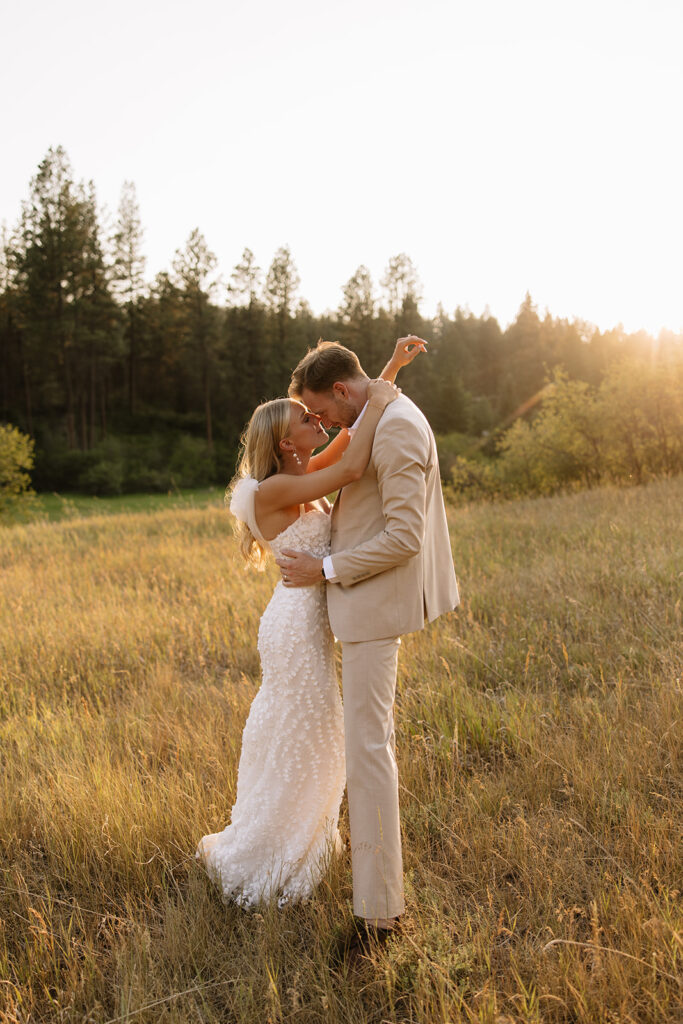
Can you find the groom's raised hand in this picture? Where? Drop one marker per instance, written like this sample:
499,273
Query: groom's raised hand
299,569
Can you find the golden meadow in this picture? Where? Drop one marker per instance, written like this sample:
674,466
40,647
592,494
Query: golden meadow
539,733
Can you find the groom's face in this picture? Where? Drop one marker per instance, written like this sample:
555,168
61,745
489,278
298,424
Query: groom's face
334,407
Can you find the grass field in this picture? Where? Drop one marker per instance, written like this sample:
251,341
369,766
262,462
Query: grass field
539,741
55,507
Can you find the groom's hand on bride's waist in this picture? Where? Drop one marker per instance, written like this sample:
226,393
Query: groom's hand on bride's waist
299,569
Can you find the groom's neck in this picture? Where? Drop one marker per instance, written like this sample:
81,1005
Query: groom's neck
358,393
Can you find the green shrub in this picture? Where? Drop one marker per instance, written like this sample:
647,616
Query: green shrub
103,468
147,458
153,462
475,479
191,463
450,447
628,430
16,463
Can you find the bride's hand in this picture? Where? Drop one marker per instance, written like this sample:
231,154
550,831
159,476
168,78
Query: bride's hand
407,348
381,393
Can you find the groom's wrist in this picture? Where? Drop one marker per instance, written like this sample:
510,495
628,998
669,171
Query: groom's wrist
328,570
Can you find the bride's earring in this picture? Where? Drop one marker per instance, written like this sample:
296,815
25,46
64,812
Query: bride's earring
297,458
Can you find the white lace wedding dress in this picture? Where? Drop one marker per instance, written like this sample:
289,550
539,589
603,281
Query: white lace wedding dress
291,772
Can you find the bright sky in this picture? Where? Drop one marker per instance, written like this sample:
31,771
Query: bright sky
506,147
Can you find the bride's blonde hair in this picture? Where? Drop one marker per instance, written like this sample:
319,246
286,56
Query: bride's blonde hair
260,458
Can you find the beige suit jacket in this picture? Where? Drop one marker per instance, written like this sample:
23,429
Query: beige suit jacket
390,546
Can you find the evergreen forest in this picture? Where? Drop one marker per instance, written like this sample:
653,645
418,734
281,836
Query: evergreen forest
131,384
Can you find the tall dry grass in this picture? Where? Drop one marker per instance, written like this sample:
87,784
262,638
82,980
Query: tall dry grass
539,734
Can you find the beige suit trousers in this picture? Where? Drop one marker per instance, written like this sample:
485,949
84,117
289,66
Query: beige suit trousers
369,685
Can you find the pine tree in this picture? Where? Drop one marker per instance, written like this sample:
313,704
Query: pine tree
66,313
401,285
245,337
282,283
357,313
194,269
129,279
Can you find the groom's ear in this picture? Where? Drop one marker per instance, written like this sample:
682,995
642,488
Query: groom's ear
340,390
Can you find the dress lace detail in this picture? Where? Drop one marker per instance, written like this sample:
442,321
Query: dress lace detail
291,772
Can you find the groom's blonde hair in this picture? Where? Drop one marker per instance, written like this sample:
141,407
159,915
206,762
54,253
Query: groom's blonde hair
260,457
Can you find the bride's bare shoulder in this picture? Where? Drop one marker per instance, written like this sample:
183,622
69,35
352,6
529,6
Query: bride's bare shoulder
271,521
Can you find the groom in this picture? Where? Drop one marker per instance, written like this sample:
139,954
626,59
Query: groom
390,569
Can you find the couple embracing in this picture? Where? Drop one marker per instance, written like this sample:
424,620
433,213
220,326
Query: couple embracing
373,566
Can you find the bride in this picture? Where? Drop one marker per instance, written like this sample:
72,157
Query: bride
291,773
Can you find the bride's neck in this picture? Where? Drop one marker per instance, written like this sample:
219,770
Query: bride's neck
295,465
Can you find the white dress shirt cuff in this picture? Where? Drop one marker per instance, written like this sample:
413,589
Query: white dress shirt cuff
328,569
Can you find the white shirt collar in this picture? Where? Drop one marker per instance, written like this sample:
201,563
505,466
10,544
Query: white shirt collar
359,417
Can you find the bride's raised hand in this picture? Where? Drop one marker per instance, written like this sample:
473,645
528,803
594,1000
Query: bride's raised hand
381,393
405,351
407,348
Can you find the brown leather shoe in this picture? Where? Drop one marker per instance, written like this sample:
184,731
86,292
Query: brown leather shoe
360,939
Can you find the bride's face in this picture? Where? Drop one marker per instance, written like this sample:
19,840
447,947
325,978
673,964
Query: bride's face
305,430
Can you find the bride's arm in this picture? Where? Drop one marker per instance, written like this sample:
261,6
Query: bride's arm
332,453
405,351
284,490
